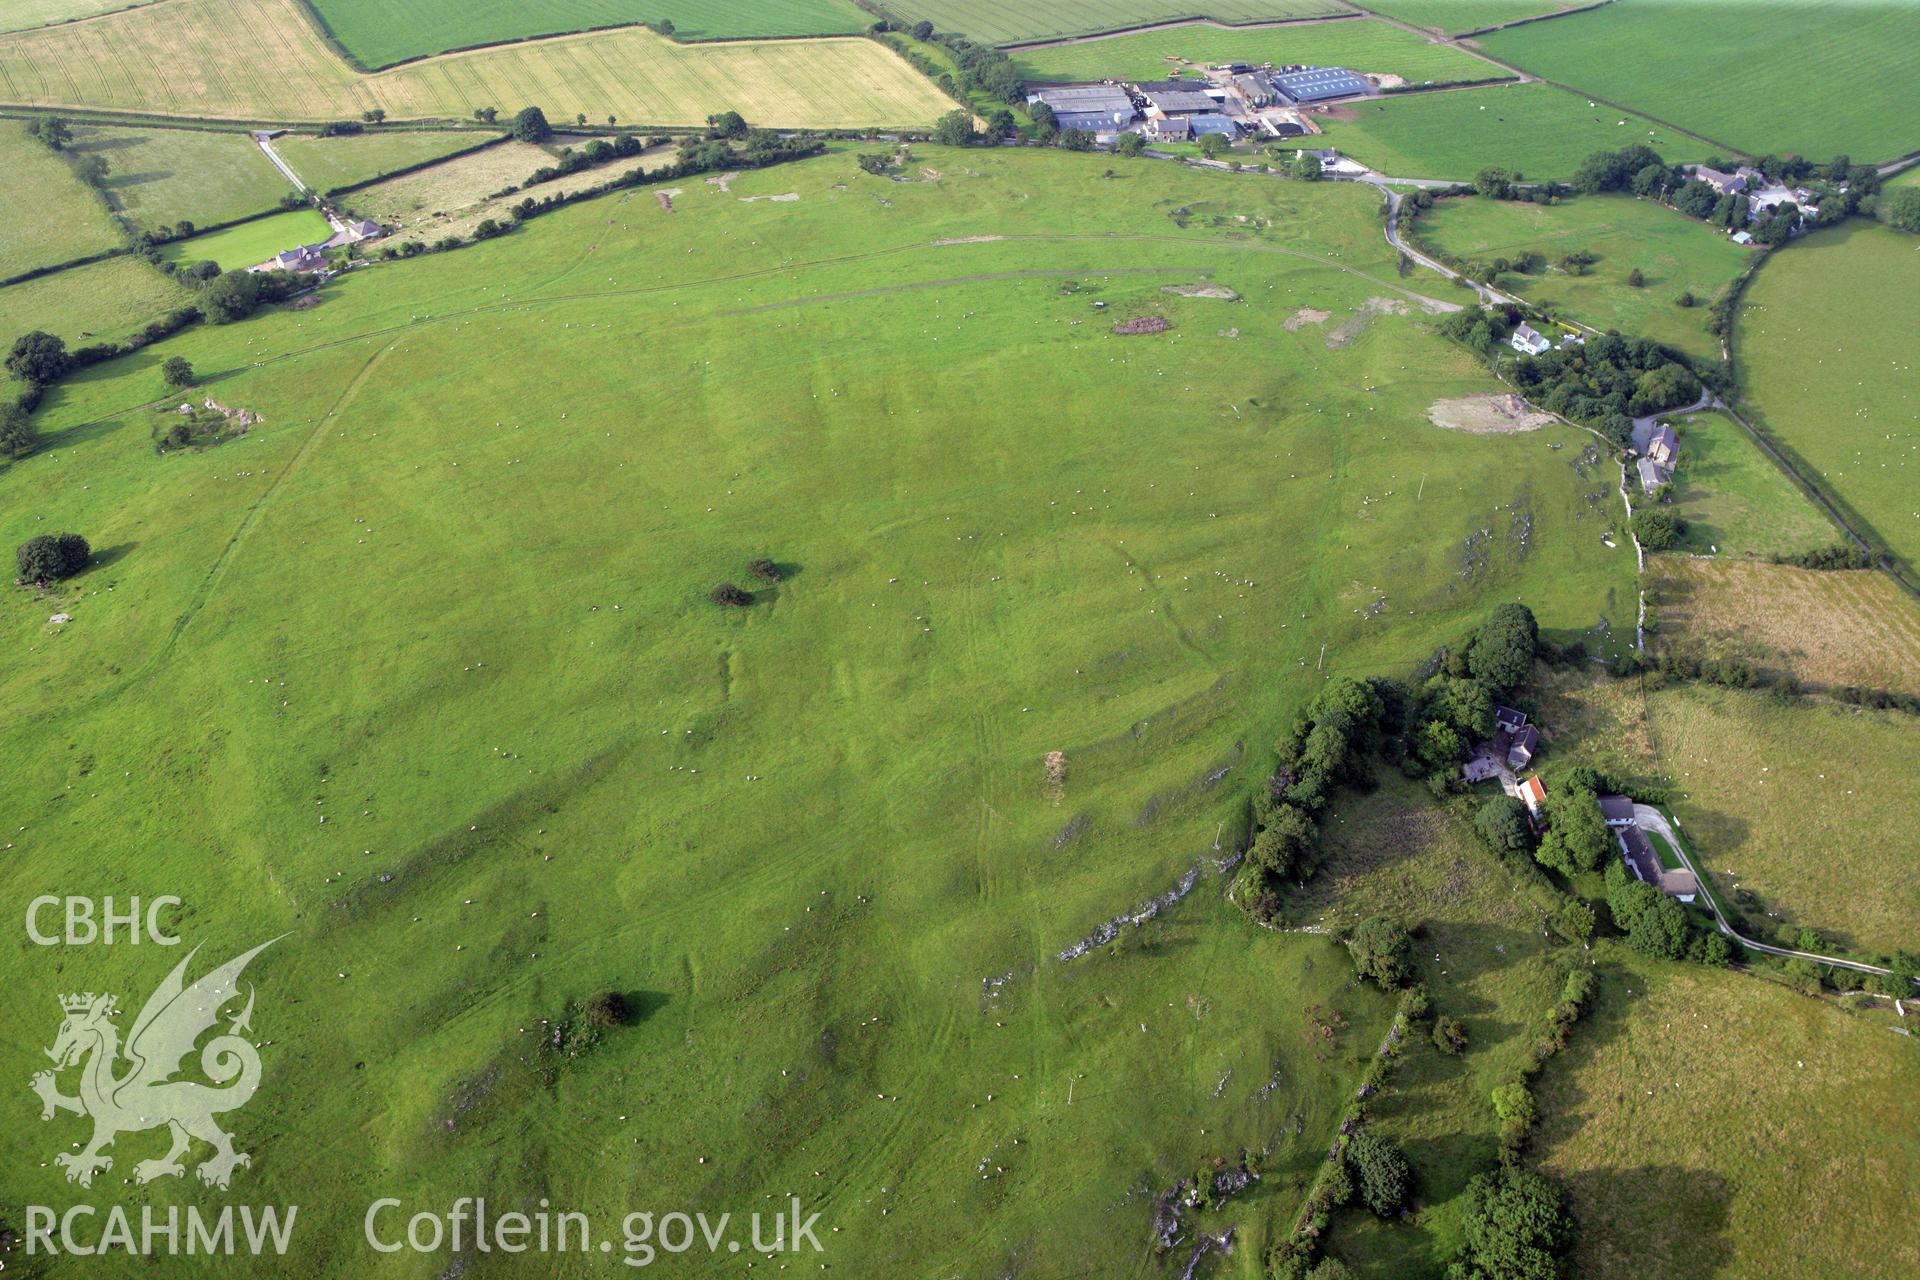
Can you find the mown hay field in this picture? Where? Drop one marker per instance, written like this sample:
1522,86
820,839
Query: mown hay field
1673,253
1736,500
451,594
326,164
251,243
262,60
1014,21
1536,129
1366,46
103,300
1824,346
49,215
1451,17
1709,1123
378,33
160,176
1782,76
1855,627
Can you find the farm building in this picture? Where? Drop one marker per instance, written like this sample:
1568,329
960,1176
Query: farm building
1727,184
1651,476
1171,99
1533,794
1098,108
1257,88
1174,129
1637,851
1663,446
1617,810
1529,341
1319,84
307,257
1203,124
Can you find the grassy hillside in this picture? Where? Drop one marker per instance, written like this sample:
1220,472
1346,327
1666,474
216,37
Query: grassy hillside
380,34
102,299
1452,17
49,214
251,243
263,60
451,595
1821,343
1012,21
325,164
1736,500
1374,48
1536,129
1710,1124
1759,75
1673,253
160,176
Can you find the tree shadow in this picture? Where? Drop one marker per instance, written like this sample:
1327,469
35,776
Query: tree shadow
117,181
643,1004
94,144
103,557
1679,1217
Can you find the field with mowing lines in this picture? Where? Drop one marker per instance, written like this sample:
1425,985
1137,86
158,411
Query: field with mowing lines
262,60
103,300
1829,628
49,215
1014,21
159,176
1736,500
1537,129
1780,76
1366,46
1673,253
505,479
1451,17
1707,1123
325,164
379,33
251,243
17,15
1825,353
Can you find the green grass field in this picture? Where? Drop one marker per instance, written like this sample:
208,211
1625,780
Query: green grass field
100,300
326,164
1013,21
159,176
1367,46
20,14
380,34
1673,253
1906,178
450,595
257,60
1707,1123
1455,16
1823,345
1536,129
1784,76
251,243
1735,500
48,214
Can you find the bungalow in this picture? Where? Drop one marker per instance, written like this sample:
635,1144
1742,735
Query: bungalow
1617,810
1528,341
307,257
1533,794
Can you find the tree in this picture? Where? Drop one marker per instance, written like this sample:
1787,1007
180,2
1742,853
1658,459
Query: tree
1900,208
1686,298
1635,279
607,1008
1576,921
1330,1269
665,27
1307,167
530,125
91,169
1448,1035
1493,183
1380,949
1516,1225
727,124
1129,144
955,129
1502,823
49,557
764,569
1661,930
17,434
1214,145
1501,655
1046,125
233,296
726,593
922,30
374,115
486,115
1077,139
38,357
177,371
52,131
1658,530
1628,899
1381,1170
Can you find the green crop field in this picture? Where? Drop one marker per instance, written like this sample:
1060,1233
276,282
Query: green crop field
1539,130
1455,16
1825,353
1735,499
1014,21
326,164
1706,1123
1367,46
1780,76
48,214
251,243
160,176
100,300
1673,253
450,595
379,33
263,60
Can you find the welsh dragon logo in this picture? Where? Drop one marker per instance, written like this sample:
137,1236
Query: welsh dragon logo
128,1088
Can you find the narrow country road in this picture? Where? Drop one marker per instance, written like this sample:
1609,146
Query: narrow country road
1487,293
1652,819
266,146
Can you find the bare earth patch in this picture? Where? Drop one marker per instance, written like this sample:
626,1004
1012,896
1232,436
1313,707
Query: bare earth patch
969,240
1145,324
788,198
1306,316
1202,291
1487,415
1356,324
724,181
